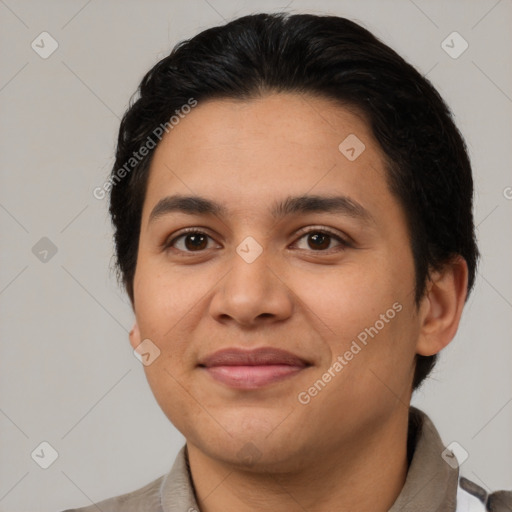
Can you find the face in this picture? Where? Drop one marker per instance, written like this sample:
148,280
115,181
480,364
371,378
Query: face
328,278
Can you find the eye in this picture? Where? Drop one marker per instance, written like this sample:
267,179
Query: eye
191,240
319,239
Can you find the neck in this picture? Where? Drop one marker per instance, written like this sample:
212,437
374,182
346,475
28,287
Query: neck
365,474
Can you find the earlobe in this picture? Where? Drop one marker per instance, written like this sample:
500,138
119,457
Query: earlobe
135,336
441,307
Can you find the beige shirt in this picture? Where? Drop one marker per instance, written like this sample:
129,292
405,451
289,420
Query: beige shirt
432,483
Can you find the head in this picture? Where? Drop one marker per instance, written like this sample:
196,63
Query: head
248,115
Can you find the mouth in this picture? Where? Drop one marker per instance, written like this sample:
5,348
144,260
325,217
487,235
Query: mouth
252,369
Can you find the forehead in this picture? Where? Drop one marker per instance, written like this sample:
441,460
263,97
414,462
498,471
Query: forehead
256,151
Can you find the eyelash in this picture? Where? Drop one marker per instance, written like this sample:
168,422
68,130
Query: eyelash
168,243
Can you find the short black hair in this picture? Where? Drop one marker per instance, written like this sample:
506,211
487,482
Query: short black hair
428,168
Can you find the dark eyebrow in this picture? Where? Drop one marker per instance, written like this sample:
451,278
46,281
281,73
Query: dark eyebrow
321,204
196,205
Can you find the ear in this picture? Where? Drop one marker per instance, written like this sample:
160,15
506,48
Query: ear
135,336
441,306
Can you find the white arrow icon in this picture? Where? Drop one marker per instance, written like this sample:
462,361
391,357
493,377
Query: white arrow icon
44,455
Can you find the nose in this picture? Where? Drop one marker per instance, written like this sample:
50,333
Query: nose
252,292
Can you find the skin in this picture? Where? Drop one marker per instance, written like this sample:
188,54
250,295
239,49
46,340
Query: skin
346,448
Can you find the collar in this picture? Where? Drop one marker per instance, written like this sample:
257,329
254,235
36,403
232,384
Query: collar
430,485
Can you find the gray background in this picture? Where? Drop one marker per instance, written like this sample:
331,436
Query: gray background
68,375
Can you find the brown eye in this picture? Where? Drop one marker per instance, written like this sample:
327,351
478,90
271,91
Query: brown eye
191,241
320,240
195,241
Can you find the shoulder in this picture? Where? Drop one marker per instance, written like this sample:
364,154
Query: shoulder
473,498
145,498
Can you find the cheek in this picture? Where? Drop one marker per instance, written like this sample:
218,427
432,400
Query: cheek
346,300
365,315
165,296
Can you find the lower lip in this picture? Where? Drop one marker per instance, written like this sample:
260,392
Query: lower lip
252,377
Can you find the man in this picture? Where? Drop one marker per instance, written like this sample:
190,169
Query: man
292,206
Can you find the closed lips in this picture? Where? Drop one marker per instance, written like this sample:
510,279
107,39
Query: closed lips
249,370
258,357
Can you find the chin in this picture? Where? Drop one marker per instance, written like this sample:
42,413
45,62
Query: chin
257,457
252,449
